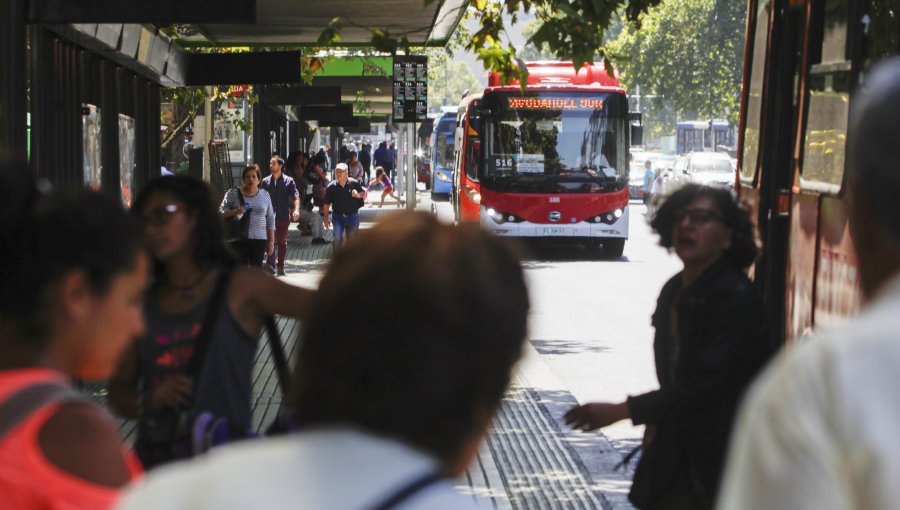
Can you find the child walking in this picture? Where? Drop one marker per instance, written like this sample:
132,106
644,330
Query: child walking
382,178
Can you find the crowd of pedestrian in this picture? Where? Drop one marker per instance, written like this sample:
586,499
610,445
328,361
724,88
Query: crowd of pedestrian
295,191
382,414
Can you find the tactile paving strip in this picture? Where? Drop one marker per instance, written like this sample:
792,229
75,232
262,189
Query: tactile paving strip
523,463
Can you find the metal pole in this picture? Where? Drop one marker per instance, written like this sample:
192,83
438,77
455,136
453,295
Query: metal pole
13,108
399,165
411,167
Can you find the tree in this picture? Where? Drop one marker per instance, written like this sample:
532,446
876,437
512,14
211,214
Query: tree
689,52
448,79
571,29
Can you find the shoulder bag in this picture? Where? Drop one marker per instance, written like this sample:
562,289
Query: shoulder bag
238,229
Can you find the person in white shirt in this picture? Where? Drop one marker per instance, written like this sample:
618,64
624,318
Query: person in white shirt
820,429
389,412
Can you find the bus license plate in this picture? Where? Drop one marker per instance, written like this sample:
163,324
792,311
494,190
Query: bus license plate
555,231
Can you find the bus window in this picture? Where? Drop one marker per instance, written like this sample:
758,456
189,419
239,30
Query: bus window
824,143
754,97
884,30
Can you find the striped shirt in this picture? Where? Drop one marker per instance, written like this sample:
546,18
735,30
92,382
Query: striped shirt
262,216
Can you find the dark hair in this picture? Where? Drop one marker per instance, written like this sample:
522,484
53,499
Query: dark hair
278,159
433,375
208,233
253,167
743,249
293,162
319,159
44,237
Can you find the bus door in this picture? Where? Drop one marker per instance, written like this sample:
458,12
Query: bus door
469,191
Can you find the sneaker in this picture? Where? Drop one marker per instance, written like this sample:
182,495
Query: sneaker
320,240
269,269
280,271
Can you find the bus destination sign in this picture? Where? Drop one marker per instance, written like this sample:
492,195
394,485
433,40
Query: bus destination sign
555,103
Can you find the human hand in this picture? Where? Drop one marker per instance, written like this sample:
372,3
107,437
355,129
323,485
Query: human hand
173,392
270,248
595,415
354,194
295,215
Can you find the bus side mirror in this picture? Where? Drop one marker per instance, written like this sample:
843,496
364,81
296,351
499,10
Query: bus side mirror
637,134
635,122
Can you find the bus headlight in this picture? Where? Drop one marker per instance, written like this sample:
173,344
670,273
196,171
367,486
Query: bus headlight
617,213
501,217
476,197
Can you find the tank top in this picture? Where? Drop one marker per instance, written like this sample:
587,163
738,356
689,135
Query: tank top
224,382
28,480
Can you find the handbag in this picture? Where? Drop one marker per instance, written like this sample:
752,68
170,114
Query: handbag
238,229
165,435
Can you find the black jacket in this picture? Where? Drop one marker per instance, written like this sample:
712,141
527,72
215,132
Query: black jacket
723,342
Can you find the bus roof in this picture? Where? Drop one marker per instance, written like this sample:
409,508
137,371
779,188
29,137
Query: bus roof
563,73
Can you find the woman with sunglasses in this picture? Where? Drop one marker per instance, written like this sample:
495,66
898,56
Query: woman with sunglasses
257,202
73,277
191,266
711,339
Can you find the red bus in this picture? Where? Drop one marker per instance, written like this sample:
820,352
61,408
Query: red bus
803,58
547,162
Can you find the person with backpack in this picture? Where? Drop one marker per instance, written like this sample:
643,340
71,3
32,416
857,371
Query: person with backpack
387,417
74,275
204,315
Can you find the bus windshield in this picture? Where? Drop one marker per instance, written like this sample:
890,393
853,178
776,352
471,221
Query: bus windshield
555,142
443,142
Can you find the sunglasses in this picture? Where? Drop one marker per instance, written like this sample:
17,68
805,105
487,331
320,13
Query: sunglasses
161,215
697,217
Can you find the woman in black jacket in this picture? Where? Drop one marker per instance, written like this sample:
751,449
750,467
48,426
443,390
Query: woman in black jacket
711,340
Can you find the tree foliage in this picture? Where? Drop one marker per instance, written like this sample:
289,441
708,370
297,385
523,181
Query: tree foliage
571,29
689,52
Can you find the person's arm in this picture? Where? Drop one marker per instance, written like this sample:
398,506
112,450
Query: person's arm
596,415
271,296
122,389
230,206
326,219
270,225
124,397
295,201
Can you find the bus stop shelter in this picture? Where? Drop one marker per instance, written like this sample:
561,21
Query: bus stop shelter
88,73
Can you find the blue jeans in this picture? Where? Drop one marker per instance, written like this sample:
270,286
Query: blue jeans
344,226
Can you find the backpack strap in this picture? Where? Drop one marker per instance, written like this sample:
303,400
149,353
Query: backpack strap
281,365
201,342
25,402
409,490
